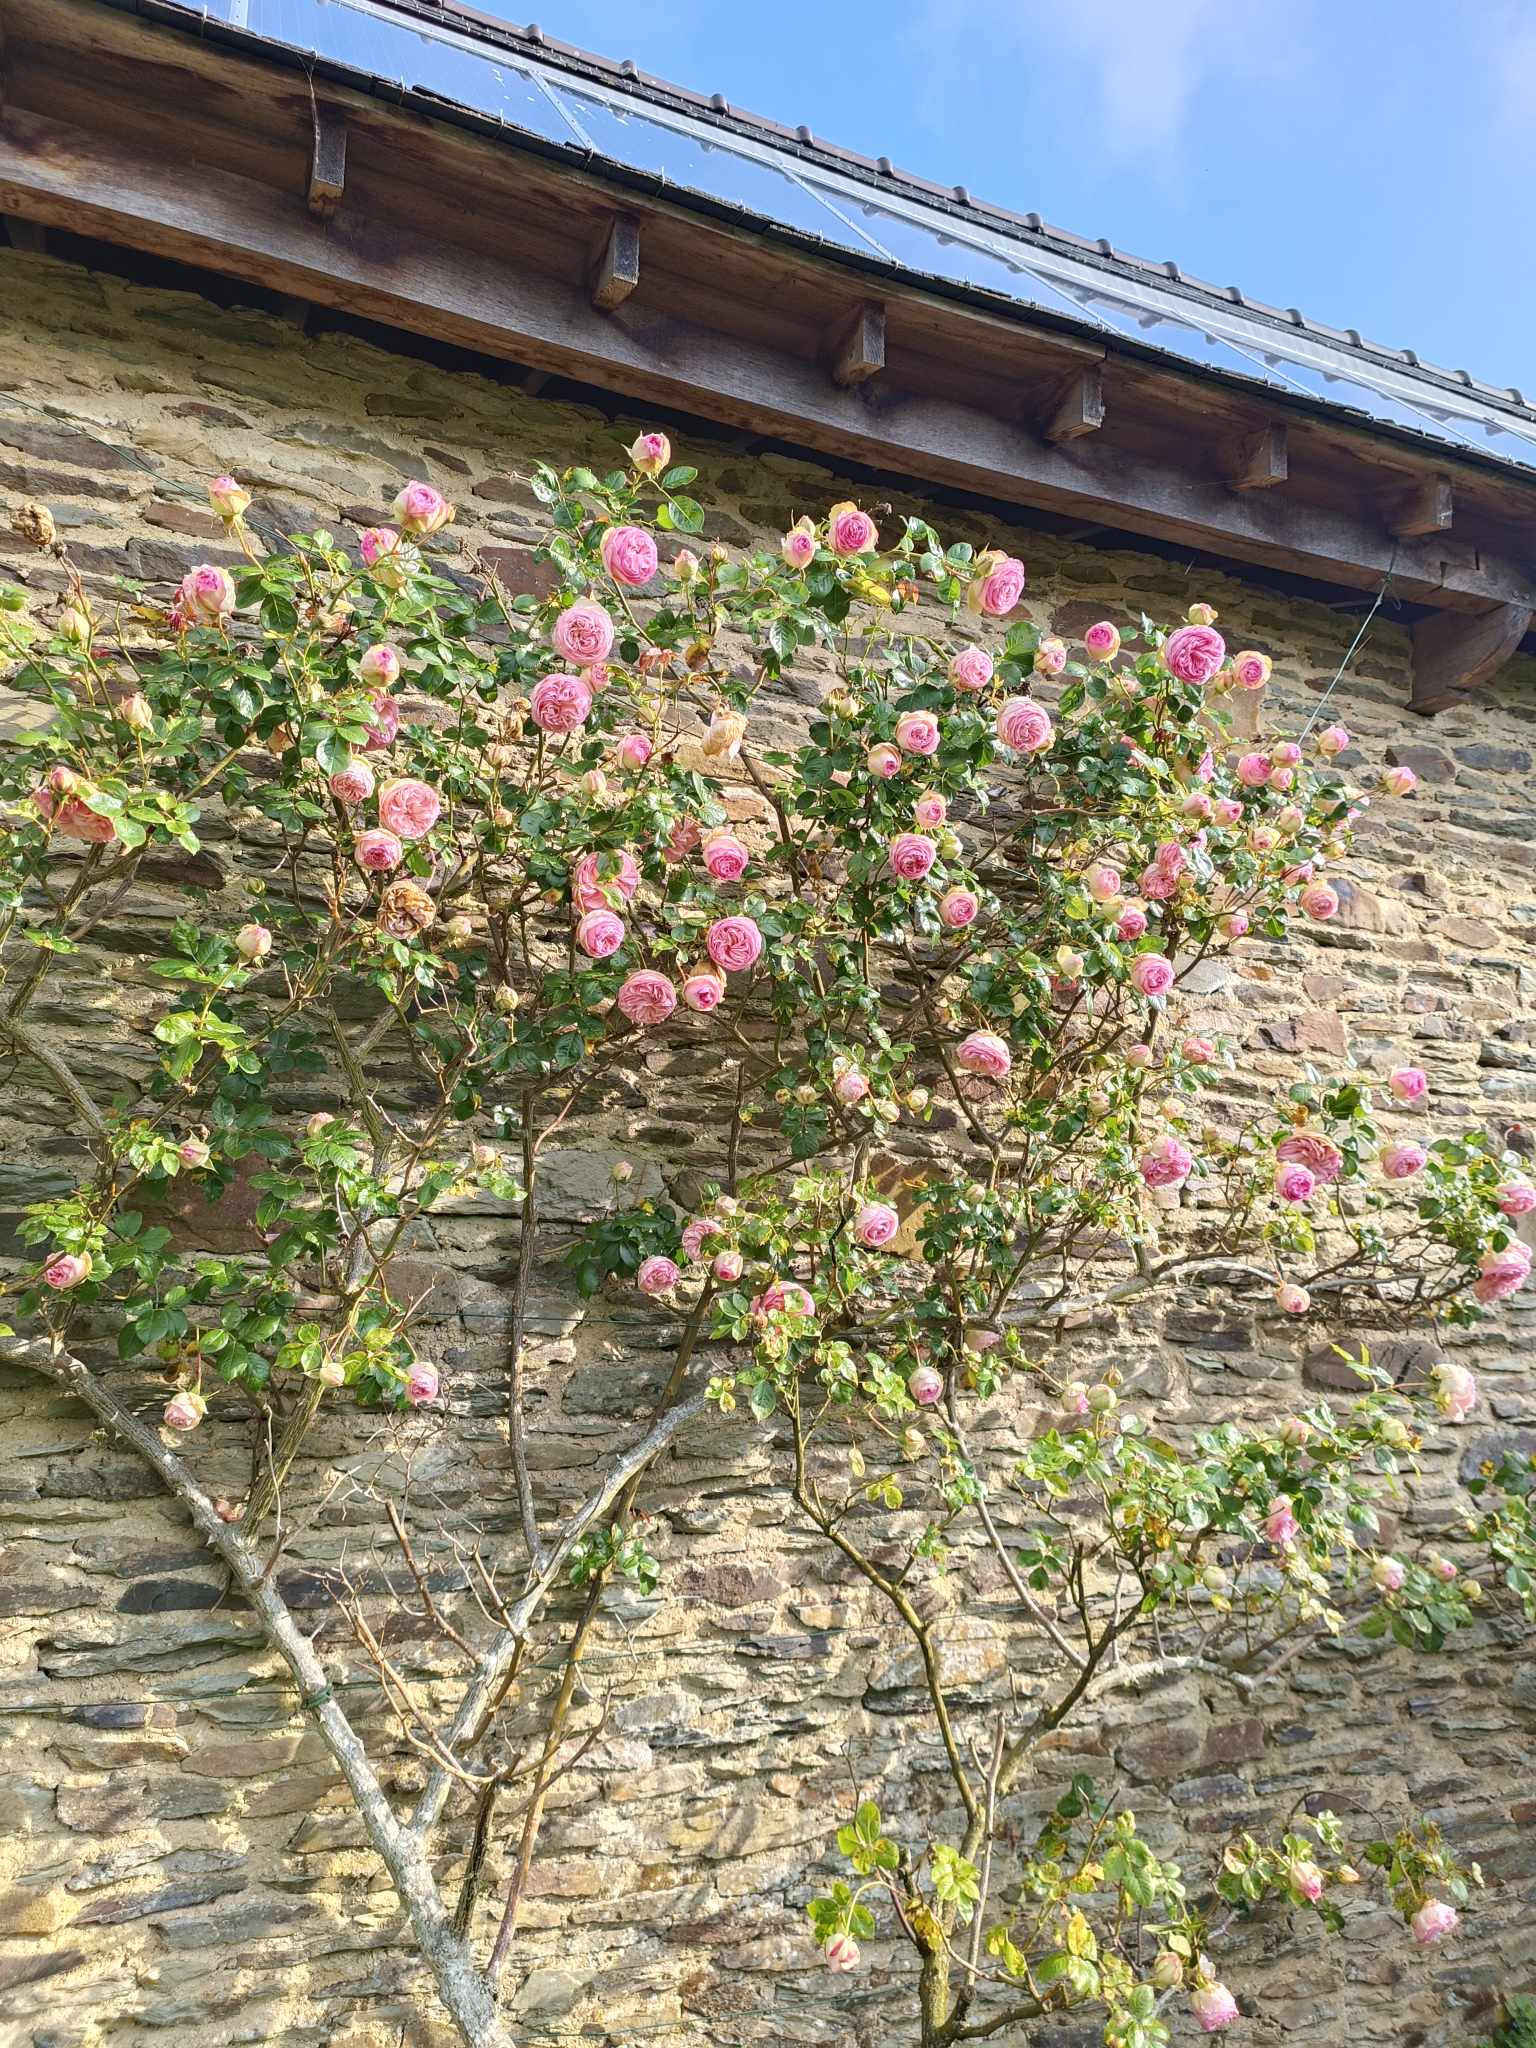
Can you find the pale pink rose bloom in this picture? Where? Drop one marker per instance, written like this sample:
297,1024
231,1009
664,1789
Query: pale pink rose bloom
352,784
917,732
1025,726
600,933
1319,1155
1170,857
421,1383
1286,754
1334,740
380,664
798,547
1074,1398
1262,839
421,509
1293,1299
560,704
783,1296
957,908
1152,975
1455,1390
1104,884
911,855
67,1269
694,1233
253,942
876,1224
1234,925
1199,805
1434,1919
1408,1084
1388,1574
378,851
1200,1050
1516,1197
207,594
1294,1183
970,668
385,728
1194,653
228,498
684,566
883,761
1253,770
647,998
1166,1163
1205,767
1399,781
850,531
723,735
650,453
681,841
1138,1056
1443,1569
842,1954
1131,923
727,1267
185,1409
1214,2007
725,857
71,817
1281,1526
583,633
193,1153
1251,671
1202,614
1319,900
850,1086
703,993
984,1053
1502,1273
634,750
629,555
1102,641
1282,779
657,1275
1402,1161
926,1385
1307,1880
734,944
1228,811
379,545
409,808
598,877
1294,1431
930,811
1290,819
1050,657
999,588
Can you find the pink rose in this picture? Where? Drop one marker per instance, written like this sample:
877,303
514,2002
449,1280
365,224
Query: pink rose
583,633
1253,770
850,1086
883,761
1251,671
1442,1568
650,453
925,1385
1262,839
798,547
185,1409
1200,1050
1286,754
1293,1299
1293,1182
1234,925
409,808
1170,857
380,548
1213,2006
253,942
1388,1574
598,877
1399,782
421,1383
917,732
378,851
67,1269
1194,653
1402,1161
876,1224
1334,740
1152,974
379,665
1282,779
1104,883
1102,641
1228,811
1434,1919
1281,1526
1050,658
695,1231
1131,924
1502,1273
560,703
850,531
786,1297
733,943
681,841
930,811
629,555
647,998
703,992
725,857
984,1053
970,668
842,1954
1138,1056
207,594
1516,1197
193,1153
1166,1163
1319,900
70,816
727,1268
1320,1156
1408,1084
1158,884
998,589
957,909
910,856
385,726
657,1275
1455,1390
421,509
1025,726
1198,805
634,750
600,933
228,499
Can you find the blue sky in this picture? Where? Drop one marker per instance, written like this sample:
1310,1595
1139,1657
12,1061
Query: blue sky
1370,161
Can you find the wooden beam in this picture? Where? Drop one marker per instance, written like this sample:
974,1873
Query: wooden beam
28,235
385,269
327,162
1078,407
859,352
1260,460
1454,652
1422,508
618,267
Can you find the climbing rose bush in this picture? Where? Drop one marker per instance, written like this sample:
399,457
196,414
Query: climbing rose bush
934,950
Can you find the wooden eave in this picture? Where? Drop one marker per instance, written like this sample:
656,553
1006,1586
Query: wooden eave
233,160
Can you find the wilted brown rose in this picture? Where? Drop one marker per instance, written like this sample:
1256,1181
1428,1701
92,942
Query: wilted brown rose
405,909
35,524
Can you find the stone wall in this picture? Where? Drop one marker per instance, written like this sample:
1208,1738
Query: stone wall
176,1859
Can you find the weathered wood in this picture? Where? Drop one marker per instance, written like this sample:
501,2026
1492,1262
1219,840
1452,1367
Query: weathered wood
1454,652
1424,507
618,267
1260,460
858,353
328,162
1078,408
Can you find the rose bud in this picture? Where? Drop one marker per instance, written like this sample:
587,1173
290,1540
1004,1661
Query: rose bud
228,499
320,1121
1202,615
650,453
77,627
193,1153
134,711
185,1409
253,942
